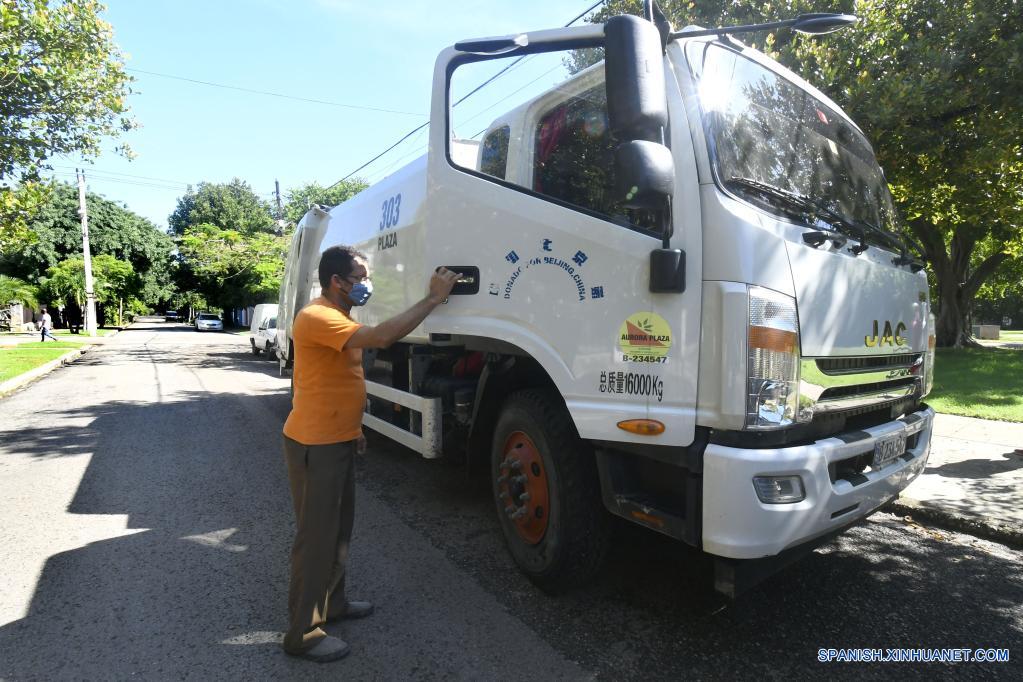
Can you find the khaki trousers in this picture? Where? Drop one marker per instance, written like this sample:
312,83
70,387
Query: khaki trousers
322,479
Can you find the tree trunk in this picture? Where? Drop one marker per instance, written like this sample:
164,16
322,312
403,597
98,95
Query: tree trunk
952,329
957,286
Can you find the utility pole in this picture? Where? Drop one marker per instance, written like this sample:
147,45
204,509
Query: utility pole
280,213
90,294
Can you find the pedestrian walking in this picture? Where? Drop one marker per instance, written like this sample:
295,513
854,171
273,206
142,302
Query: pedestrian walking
45,325
322,435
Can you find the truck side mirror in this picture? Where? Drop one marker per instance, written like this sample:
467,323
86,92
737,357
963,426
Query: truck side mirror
637,110
634,70
644,174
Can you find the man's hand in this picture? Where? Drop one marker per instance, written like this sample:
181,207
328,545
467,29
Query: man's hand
360,445
441,284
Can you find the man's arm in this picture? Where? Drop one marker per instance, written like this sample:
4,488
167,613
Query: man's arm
402,324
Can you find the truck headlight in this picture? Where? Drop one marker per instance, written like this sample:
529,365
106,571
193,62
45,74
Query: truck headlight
929,358
772,338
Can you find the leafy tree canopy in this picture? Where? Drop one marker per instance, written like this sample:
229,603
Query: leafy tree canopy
63,90
229,244
14,290
230,206
112,279
233,269
300,199
113,230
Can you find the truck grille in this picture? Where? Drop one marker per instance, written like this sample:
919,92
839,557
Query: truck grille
839,392
858,365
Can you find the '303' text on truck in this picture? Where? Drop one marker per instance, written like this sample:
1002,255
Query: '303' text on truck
682,298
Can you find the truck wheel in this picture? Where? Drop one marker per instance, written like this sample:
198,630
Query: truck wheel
545,485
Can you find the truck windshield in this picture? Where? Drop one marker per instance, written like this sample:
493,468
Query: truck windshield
765,129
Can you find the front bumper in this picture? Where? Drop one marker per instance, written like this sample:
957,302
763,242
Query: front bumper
736,524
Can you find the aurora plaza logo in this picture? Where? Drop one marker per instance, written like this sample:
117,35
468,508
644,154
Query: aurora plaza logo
644,337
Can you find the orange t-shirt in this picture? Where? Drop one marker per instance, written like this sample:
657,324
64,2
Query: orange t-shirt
330,390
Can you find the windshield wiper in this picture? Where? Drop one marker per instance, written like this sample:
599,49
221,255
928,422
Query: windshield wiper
807,209
883,236
900,243
815,211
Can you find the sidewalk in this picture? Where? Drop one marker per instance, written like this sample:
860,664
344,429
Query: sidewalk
11,339
973,481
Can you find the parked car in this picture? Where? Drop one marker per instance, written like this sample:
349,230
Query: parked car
265,338
208,322
263,328
171,316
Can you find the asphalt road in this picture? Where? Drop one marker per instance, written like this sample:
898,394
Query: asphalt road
145,529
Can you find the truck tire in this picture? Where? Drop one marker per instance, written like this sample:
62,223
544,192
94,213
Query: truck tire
547,491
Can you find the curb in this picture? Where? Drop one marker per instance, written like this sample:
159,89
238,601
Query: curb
12,385
1009,535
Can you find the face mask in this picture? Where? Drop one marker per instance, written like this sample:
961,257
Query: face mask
361,292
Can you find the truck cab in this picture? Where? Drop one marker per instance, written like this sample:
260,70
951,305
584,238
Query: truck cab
684,299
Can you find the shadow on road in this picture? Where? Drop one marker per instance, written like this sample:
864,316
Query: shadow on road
205,478
980,468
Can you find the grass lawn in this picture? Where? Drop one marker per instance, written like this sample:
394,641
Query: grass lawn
26,356
979,382
1015,336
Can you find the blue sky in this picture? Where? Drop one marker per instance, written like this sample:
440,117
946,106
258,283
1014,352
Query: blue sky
371,54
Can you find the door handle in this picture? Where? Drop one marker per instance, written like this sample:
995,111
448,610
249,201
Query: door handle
468,282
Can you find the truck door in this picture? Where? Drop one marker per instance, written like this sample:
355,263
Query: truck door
563,267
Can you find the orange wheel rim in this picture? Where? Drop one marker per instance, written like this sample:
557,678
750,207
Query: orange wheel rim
522,487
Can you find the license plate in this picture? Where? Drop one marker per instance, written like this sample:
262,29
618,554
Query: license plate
887,449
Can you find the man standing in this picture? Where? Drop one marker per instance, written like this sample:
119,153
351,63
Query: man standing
45,325
322,435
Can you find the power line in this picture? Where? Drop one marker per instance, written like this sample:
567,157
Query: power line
122,181
128,175
276,94
407,136
477,89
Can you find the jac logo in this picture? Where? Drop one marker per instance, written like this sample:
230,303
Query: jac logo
888,337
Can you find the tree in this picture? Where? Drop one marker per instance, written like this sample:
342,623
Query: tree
63,90
14,290
231,206
300,199
17,205
113,230
230,249
935,86
235,269
113,281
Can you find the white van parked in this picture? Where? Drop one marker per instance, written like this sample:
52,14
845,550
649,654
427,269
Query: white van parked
263,328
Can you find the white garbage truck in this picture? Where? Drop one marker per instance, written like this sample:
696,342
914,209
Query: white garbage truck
683,298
